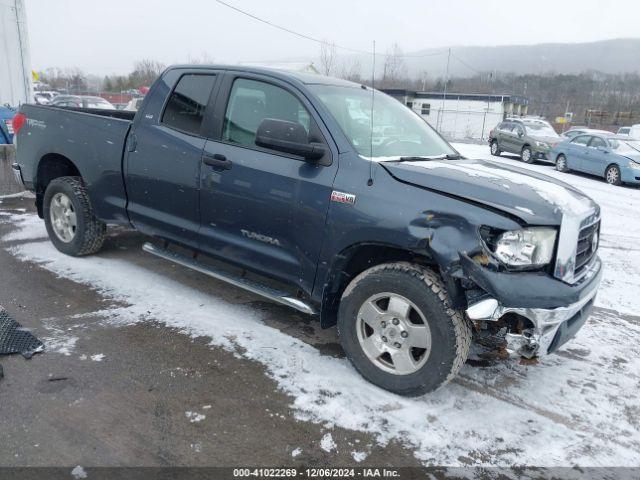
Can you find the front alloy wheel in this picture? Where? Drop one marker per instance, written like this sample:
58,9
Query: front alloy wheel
398,329
527,155
561,163
393,333
612,175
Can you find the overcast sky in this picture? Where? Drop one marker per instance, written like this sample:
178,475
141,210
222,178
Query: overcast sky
108,37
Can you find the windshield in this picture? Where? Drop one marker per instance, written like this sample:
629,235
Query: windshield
396,131
623,147
540,130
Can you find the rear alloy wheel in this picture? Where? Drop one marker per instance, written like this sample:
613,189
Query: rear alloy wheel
495,148
612,175
527,155
71,224
561,163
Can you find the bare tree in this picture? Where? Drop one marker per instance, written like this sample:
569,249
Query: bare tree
205,58
327,58
395,70
145,72
351,69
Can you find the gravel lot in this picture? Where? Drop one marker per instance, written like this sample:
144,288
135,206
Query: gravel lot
148,363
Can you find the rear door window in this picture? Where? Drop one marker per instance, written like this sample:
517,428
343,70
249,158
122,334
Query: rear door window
187,104
597,142
506,127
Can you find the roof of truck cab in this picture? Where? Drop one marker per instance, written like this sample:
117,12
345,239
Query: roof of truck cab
305,78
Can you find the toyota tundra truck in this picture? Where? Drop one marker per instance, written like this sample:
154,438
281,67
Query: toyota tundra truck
331,198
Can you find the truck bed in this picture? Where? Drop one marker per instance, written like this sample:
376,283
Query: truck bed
92,139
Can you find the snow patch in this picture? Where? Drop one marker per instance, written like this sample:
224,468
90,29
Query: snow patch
60,342
78,473
98,357
24,194
27,227
327,444
296,452
359,456
195,417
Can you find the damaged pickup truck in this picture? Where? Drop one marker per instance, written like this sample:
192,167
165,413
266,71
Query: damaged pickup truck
330,198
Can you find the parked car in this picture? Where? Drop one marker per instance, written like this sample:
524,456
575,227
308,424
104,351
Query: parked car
81,101
575,131
532,139
635,132
134,104
616,159
6,124
44,97
406,248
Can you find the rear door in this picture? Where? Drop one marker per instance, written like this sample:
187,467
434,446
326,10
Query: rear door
577,152
263,209
163,165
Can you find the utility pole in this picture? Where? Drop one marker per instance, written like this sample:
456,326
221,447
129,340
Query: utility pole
444,96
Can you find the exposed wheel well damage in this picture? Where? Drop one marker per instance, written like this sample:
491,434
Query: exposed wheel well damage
355,260
50,167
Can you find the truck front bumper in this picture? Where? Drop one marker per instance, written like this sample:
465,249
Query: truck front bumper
556,312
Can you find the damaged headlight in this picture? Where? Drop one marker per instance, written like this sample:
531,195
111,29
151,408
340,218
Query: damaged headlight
529,247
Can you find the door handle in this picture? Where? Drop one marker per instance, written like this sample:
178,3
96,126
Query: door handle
217,161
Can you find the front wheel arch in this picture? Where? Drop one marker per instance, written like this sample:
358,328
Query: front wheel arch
353,260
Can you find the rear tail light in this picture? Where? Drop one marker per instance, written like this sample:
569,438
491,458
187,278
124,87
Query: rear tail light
18,122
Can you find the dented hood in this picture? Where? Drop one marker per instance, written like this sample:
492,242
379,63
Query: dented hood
534,198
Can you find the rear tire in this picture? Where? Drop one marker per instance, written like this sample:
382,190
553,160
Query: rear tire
612,175
68,216
495,148
561,164
527,155
419,353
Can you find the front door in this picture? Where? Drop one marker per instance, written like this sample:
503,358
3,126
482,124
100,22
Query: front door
262,209
163,168
597,157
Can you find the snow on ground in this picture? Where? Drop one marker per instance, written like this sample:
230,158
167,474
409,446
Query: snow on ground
578,407
620,233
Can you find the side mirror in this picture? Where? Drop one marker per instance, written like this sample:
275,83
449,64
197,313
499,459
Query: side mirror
288,137
520,133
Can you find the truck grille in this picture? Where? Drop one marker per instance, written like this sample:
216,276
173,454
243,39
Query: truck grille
588,240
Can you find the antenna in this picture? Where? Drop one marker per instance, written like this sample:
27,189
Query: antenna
373,96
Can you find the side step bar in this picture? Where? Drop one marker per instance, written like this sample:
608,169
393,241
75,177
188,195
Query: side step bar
277,296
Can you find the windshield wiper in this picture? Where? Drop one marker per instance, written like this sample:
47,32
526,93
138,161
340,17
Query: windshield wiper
448,156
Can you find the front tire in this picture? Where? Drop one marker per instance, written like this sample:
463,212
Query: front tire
495,148
561,164
526,155
68,216
399,331
612,176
